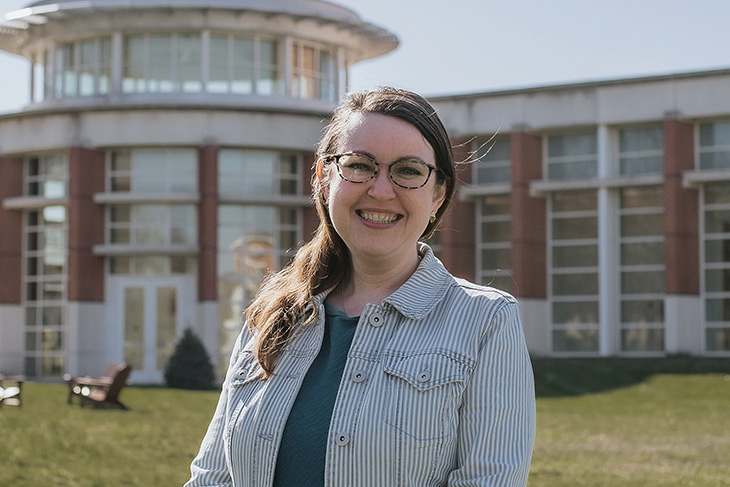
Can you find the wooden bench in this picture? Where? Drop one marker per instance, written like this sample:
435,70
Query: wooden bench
11,395
101,392
102,382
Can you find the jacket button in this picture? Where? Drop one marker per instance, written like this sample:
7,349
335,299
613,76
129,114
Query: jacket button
376,320
424,376
342,439
359,376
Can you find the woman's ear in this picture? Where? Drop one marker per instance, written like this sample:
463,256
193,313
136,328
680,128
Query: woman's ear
323,180
320,169
439,195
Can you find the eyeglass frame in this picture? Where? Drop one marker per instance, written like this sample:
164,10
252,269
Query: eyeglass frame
336,158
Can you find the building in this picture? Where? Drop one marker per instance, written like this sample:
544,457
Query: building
163,166
605,207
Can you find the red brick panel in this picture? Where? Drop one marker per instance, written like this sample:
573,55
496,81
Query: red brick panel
208,224
85,225
681,215
529,245
11,231
457,227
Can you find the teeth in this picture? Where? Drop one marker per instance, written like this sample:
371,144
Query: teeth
379,217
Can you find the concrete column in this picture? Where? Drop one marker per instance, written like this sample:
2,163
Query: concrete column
457,227
608,259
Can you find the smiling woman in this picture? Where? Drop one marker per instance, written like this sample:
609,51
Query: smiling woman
365,362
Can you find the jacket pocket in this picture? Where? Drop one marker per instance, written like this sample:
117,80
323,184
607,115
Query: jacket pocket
423,392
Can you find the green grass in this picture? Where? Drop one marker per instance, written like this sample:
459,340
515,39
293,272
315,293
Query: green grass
632,422
601,422
48,443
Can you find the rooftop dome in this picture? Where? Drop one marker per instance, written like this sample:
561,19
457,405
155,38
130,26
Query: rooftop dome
303,8
376,40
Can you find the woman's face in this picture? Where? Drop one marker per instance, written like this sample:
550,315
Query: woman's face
378,219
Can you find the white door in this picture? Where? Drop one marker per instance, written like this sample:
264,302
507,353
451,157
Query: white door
149,315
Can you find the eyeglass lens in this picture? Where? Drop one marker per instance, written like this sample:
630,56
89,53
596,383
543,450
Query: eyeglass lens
358,168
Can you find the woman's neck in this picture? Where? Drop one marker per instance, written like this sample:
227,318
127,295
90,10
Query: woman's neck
371,282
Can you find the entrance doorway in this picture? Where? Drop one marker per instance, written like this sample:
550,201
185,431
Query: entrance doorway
148,315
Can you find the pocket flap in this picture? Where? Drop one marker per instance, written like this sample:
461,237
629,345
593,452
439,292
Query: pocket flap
425,370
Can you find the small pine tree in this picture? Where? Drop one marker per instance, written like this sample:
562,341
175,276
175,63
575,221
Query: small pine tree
189,366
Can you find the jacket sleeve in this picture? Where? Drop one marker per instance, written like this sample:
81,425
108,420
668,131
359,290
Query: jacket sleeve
210,467
497,417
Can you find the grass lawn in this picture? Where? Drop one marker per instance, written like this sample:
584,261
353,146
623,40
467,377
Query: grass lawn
601,422
632,422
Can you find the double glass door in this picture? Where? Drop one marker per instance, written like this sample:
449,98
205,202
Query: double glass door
150,315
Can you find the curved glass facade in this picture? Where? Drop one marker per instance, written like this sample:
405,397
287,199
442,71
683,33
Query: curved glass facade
191,62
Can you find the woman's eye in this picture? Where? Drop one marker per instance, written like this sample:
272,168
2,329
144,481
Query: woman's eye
409,169
359,165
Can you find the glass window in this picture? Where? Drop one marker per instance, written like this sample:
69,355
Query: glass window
575,339
69,75
162,63
269,79
44,295
218,67
189,63
313,72
251,172
641,150
493,161
572,156
46,176
716,266
715,145
85,74
573,269
495,245
87,68
133,78
243,65
153,171
151,225
641,289
252,241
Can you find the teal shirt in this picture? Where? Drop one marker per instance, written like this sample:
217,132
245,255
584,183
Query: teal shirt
301,457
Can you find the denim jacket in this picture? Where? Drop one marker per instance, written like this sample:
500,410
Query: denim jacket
437,391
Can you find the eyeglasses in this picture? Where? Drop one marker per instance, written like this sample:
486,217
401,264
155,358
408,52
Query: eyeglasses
359,168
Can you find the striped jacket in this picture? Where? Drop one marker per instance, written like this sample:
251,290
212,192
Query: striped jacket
437,391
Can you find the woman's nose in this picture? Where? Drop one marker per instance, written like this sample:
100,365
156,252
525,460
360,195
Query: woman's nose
381,185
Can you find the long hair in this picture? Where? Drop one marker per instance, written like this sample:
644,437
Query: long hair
324,262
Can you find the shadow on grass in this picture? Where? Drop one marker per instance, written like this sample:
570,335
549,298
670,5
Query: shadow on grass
555,377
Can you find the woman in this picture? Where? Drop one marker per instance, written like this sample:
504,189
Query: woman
365,363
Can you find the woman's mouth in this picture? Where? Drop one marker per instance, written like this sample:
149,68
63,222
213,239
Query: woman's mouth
377,217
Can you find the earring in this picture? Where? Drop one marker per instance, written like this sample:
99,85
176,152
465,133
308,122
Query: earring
432,217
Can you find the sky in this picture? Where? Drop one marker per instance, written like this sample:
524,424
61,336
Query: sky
468,46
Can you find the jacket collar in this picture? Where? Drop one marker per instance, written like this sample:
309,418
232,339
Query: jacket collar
419,294
424,289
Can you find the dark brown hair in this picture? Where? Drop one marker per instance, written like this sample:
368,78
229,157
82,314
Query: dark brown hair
324,262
